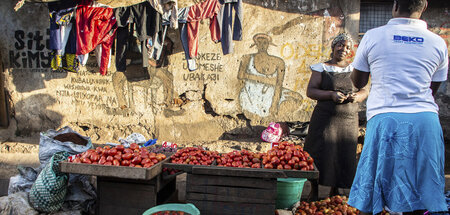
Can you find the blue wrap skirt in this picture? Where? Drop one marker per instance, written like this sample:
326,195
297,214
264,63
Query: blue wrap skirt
401,165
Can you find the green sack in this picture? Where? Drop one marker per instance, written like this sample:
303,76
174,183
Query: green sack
49,190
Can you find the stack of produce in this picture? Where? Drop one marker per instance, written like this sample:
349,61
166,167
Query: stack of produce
162,150
288,156
119,156
194,156
242,159
334,205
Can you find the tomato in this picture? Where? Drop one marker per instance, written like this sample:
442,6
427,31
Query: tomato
137,165
109,158
77,160
86,160
134,146
136,160
268,166
256,165
120,148
302,164
125,163
127,156
287,156
99,150
94,156
127,150
118,157
275,160
287,166
108,163
106,148
102,160
145,160
280,166
112,151
116,162
155,161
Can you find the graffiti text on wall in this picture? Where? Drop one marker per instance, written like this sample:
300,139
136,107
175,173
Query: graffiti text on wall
305,55
30,50
209,68
86,90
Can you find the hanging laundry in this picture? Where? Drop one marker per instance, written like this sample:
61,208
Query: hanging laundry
70,60
168,8
182,20
95,26
61,20
225,19
147,22
207,9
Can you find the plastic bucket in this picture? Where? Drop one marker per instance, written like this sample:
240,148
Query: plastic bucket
289,191
187,208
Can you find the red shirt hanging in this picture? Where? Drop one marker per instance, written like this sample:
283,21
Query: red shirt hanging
95,26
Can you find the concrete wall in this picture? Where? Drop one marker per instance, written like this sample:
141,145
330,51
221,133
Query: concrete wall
217,101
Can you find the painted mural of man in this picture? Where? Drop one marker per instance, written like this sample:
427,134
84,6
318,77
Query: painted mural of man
263,74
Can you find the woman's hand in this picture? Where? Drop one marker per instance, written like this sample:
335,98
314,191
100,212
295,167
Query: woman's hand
358,96
338,97
353,97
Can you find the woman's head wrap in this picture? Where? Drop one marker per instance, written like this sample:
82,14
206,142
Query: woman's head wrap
341,37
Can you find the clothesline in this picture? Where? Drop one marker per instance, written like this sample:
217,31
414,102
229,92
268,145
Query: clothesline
97,26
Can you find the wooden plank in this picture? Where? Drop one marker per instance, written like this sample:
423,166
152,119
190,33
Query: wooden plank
124,198
252,193
238,172
183,167
221,198
213,180
230,208
113,171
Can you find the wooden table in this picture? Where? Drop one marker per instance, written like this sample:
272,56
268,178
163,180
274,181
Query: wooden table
228,190
125,190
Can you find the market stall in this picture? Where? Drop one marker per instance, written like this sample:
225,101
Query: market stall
124,188
231,188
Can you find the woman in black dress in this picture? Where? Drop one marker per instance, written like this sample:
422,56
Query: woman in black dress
333,130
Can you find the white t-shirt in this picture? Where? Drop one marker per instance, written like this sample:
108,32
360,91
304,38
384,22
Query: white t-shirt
403,58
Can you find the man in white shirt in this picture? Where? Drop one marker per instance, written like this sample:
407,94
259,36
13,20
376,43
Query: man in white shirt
402,163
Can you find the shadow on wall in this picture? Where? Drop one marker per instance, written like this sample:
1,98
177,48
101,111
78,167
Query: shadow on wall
33,115
151,79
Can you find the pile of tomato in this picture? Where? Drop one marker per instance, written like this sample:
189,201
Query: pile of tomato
288,156
242,159
194,156
120,156
334,205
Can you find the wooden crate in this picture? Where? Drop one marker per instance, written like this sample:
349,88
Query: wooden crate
213,194
244,172
127,196
124,172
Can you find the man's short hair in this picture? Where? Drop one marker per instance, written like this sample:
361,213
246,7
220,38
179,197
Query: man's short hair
411,6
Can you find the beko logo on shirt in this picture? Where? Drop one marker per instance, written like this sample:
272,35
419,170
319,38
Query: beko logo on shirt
408,39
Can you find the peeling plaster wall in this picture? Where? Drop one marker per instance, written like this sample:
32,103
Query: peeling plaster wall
228,96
